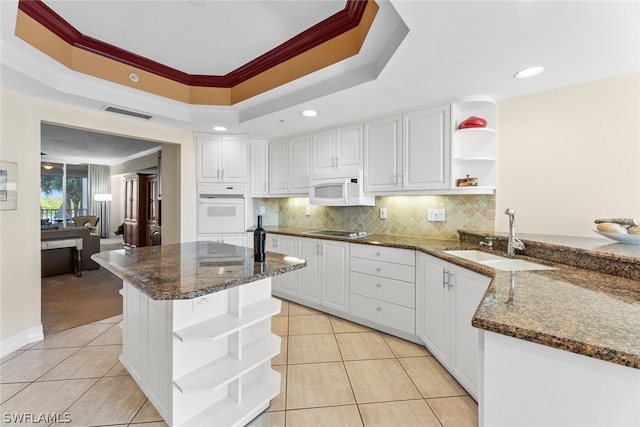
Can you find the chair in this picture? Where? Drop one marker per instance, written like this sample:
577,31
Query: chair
88,221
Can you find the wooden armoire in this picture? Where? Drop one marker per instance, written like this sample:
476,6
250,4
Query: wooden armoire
141,209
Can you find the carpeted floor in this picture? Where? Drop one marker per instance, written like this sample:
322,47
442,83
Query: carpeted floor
69,301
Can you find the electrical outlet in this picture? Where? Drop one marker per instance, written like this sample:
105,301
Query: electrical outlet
383,213
308,211
262,210
435,215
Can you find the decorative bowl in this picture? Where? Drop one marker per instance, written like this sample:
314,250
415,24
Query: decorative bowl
473,122
630,239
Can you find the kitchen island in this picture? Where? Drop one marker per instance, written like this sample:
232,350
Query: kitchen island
197,328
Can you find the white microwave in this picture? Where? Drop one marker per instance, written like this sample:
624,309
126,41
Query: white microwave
338,189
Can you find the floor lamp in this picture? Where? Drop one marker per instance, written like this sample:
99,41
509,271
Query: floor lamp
103,199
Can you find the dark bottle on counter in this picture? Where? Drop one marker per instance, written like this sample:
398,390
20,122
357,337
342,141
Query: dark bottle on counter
259,241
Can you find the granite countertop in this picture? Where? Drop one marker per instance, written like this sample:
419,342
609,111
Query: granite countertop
190,270
588,304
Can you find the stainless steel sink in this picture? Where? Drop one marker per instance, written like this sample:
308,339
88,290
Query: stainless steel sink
498,262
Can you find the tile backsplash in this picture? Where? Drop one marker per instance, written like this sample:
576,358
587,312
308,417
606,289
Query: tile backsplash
406,215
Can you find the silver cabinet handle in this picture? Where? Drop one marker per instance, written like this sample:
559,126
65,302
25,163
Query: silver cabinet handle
445,278
379,285
379,309
451,276
379,269
378,253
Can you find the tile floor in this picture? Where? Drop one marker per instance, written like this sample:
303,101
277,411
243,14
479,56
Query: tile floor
334,373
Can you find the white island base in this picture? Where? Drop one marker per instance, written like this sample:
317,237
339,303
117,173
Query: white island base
528,384
203,361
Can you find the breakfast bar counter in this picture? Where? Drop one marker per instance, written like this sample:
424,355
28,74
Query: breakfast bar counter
558,347
197,328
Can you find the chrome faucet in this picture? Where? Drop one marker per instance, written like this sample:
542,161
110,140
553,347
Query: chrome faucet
514,242
489,242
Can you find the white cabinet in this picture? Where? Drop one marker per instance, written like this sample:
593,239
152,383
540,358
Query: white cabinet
335,275
447,296
474,149
289,165
426,152
325,279
383,154
221,158
283,283
382,286
336,149
408,152
259,168
310,277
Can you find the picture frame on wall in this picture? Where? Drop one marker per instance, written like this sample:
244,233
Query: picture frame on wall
8,185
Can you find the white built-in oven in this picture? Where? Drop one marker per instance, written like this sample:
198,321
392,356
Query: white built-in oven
221,209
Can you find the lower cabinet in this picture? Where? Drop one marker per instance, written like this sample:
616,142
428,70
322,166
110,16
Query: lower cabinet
325,279
285,284
382,286
447,296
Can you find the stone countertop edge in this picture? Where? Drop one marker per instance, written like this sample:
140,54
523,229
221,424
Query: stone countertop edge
595,308
191,270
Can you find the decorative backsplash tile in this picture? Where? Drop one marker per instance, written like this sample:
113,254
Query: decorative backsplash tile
406,215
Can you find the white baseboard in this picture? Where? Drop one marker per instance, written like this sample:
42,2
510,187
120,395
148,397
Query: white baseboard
19,340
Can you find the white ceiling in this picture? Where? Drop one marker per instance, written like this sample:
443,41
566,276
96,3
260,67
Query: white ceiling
452,49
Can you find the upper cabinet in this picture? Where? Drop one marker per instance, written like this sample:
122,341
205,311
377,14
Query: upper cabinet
221,158
289,166
408,152
336,149
426,153
473,150
383,154
423,151
259,168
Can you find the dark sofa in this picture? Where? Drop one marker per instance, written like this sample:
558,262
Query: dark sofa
61,261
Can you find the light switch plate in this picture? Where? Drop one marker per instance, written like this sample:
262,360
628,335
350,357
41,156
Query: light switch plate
383,213
435,215
262,210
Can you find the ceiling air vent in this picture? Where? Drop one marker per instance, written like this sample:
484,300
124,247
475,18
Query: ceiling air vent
126,112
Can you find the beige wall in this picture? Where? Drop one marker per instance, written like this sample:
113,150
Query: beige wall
569,156
20,119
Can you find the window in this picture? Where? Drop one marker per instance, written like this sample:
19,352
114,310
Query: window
58,203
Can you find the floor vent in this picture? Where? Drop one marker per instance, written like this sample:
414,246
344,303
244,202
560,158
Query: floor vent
126,112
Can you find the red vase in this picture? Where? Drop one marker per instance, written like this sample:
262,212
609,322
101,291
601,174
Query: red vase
473,122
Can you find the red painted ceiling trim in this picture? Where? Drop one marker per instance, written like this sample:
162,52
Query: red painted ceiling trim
339,23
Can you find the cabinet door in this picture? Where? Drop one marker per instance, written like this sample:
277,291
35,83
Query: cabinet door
278,167
287,283
309,277
466,293
323,155
335,275
299,164
208,158
349,146
259,171
426,149
383,154
432,306
233,159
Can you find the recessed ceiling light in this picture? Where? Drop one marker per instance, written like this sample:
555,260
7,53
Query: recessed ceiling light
529,72
309,113
219,128
133,77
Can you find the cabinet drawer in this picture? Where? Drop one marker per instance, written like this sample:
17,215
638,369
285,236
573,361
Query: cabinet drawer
384,313
382,253
383,289
384,269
